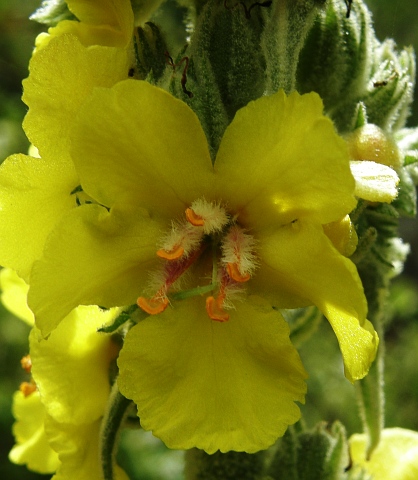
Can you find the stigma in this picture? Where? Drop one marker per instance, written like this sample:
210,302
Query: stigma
234,260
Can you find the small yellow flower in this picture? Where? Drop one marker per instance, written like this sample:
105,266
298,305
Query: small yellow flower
58,414
395,458
36,192
32,446
217,372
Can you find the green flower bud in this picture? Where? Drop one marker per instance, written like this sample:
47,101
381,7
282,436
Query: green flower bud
371,143
390,90
288,22
225,466
336,60
310,455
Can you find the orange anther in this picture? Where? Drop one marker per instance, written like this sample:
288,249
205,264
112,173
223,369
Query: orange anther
152,306
235,274
174,254
27,388
215,311
26,363
193,218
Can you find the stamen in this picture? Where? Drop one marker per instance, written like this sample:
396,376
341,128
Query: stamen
173,254
235,274
26,363
27,388
153,306
172,272
193,218
238,254
182,236
214,309
209,215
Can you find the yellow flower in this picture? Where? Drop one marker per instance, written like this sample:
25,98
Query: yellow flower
396,456
58,421
32,446
35,192
14,292
248,228
374,182
71,371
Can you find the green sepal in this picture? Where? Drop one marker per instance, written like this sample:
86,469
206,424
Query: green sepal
151,53
51,12
225,466
319,454
406,201
132,314
226,44
336,61
119,320
206,101
411,158
361,116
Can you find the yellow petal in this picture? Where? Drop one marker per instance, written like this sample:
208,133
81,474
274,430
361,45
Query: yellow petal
99,23
71,367
14,295
34,194
210,385
78,450
374,182
300,261
102,258
137,144
32,447
395,458
343,235
55,90
280,159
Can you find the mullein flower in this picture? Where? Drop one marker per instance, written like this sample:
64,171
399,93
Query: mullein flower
374,160
71,371
210,252
32,446
42,186
396,456
58,414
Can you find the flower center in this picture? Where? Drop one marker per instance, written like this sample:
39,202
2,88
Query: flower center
233,259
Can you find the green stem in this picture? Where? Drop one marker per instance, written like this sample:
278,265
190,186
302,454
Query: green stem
111,423
370,393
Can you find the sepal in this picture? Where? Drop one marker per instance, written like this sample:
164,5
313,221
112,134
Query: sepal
150,53
229,37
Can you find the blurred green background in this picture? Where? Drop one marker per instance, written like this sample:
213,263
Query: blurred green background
330,396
